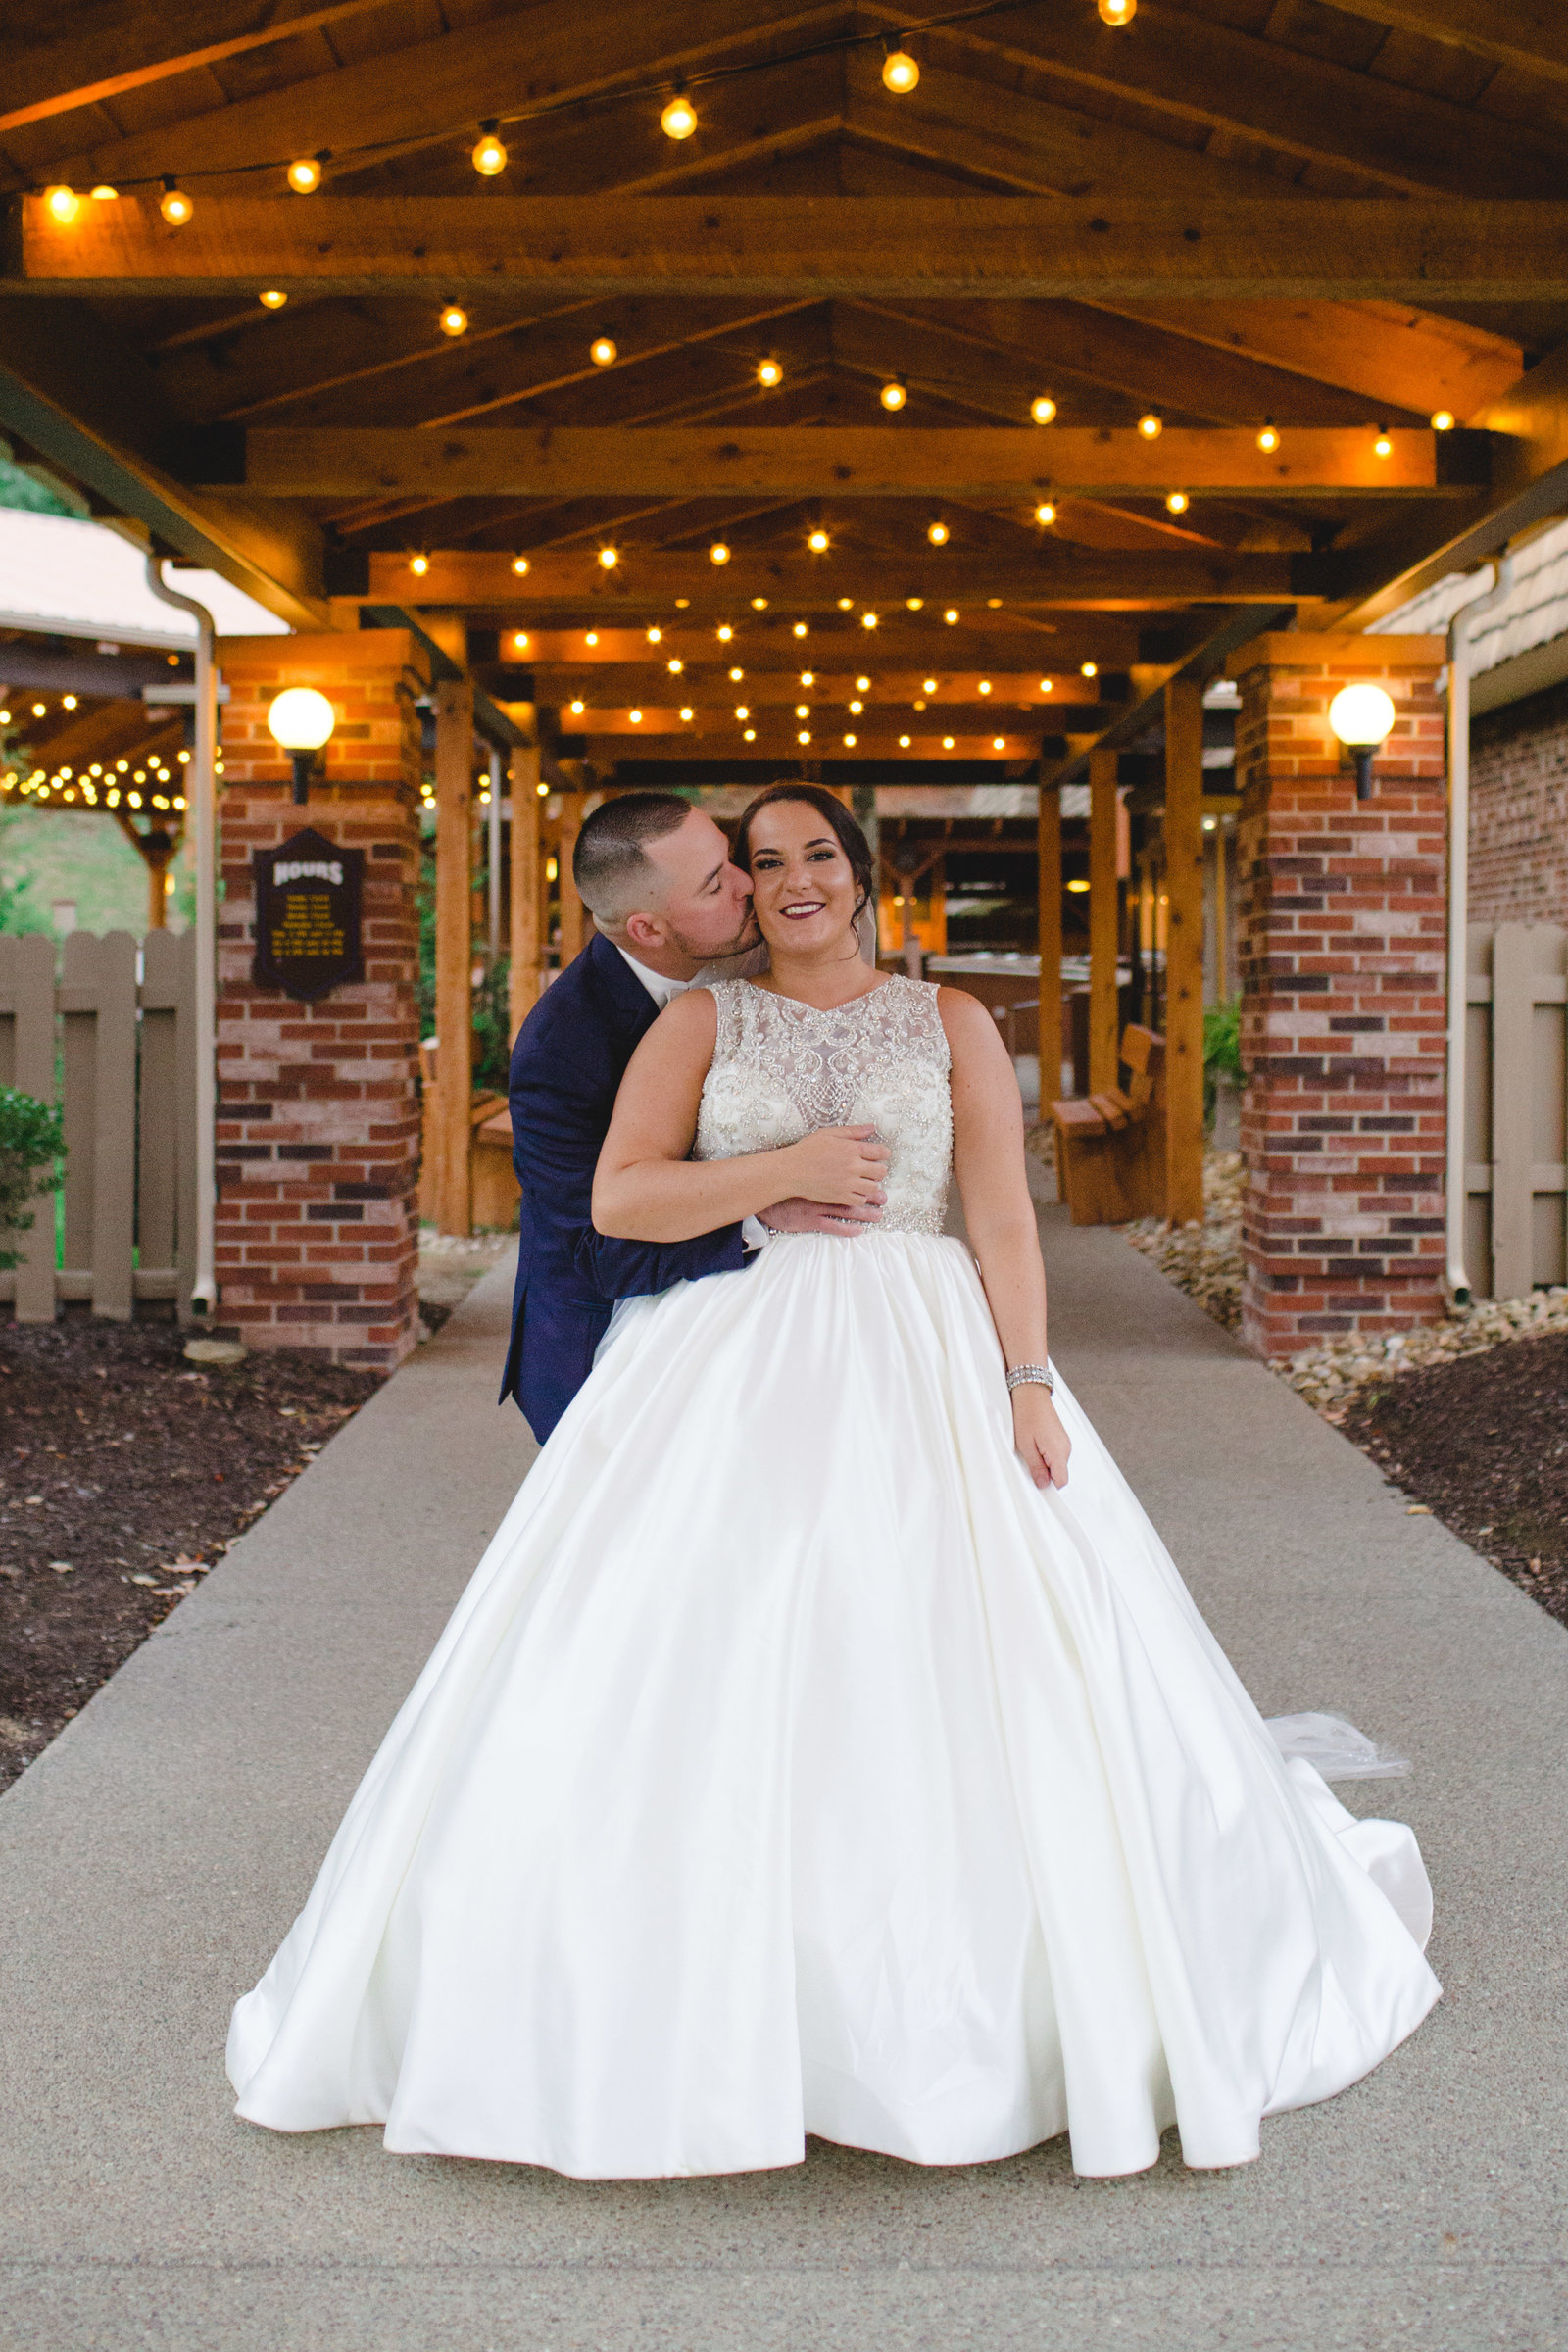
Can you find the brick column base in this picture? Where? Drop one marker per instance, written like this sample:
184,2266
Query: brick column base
1343,953
319,1118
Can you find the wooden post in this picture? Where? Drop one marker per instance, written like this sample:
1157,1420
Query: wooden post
157,894
1049,993
1104,1030
573,919
453,953
522,987
1184,950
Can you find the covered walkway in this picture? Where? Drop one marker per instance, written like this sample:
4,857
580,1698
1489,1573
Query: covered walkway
154,1855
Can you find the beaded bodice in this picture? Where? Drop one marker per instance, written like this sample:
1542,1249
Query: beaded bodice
781,1069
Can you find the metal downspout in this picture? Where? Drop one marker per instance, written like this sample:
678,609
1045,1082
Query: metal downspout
1457,1280
204,806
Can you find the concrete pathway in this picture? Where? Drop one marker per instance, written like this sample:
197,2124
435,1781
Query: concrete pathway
151,1859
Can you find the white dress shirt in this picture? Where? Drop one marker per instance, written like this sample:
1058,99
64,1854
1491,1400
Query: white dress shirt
753,1232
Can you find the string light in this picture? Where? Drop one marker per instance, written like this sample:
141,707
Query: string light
1043,408
947,743
1151,426
591,637
418,565
929,685
273,299
736,674
804,735
1383,447
802,711
759,604
868,620
742,711
724,633
679,117
862,685
174,205
675,666
1045,686
845,604
718,553
63,204
305,176
799,628
609,557
656,636
636,718
103,193
856,707
454,320
577,708
850,741
1117,13
1177,501
520,641
914,604
985,685
904,743
769,373
1268,440
938,533
519,565
808,678
950,616
1442,420
750,736
893,394
900,72
489,156
818,541
998,743
602,351
1044,511
1090,669
687,715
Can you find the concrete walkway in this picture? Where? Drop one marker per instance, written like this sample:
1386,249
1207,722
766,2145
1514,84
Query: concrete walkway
151,1859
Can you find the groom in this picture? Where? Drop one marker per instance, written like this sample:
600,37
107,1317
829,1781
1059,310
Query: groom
656,875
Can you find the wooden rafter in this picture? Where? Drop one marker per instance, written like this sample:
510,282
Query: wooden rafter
1531,39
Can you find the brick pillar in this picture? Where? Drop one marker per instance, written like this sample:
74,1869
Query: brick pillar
319,1118
1341,929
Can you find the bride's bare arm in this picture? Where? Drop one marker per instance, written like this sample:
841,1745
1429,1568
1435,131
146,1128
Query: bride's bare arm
646,1189
988,1162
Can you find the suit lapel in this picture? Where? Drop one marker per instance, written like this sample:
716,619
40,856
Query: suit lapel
632,1008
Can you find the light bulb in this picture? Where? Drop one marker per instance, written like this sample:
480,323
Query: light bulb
735,676
998,743
850,740
675,666
454,320
802,711
750,735
519,565
900,72
818,541
769,373
591,637
725,632
1361,716
804,735
273,299
862,685
893,394
914,604
904,743
985,685
489,156
1045,686
577,708
103,193
742,712
947,743
808,678
174,205
1442,420
929,685
1268,440
1090,669
846,605
759,604
799,628
868,620
609,557
656,636
299,720
686,715
636,718
520,641
1044,511
1383,447
1043,410
1117,13
602,351
1151,426
64,205
679,117
949,615
1177,501
305,176
418,565
718,553
856,707
937,533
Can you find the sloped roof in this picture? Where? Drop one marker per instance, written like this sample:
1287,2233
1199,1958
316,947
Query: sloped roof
1534,613
78,579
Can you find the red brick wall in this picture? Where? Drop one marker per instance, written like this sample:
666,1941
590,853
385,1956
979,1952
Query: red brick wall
318,1120
1342,955
1519,811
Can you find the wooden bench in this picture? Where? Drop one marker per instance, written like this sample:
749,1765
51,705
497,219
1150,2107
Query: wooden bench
1110,1148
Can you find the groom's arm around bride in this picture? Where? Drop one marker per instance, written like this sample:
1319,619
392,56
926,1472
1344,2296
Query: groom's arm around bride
655,874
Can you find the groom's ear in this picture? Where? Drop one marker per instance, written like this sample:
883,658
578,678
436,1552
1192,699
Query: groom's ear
644,931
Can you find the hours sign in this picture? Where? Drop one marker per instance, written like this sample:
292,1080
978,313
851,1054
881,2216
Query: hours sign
307,921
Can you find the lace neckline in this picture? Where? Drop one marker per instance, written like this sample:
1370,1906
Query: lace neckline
828,1012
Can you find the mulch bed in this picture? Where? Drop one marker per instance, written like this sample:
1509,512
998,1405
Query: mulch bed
125,1472
1482,1442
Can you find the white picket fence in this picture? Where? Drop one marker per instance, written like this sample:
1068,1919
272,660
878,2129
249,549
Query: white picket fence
113,1040
1516,1108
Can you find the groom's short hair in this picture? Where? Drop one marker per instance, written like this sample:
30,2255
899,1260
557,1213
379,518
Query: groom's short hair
609,865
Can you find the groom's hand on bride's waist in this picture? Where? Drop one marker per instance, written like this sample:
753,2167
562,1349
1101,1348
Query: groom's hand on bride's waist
812,1217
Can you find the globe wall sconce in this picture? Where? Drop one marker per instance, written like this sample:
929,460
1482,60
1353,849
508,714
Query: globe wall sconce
1362,717
299,722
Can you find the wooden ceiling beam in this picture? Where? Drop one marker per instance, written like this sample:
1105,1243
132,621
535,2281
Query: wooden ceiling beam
893,461
984,644
805,246
646,581
606,747
769,679
1531,39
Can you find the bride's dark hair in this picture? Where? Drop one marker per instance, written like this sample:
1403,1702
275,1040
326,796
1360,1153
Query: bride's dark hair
850,840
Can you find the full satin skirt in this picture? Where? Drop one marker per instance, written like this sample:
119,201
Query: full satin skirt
791,1764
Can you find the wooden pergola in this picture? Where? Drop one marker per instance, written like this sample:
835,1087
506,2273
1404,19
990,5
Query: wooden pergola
1051,378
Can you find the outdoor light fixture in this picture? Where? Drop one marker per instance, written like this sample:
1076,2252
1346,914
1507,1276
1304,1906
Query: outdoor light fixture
300,721
679,117
675,666
868,620
759,604
489,156
687,715
799,628
949,615
454,320
578,708
609,557
1044,511
305,176
724,633
1268,440
656,635
718,553
602,351
1151,426
64,205
1177,501
418,565
174,205
892,395
985,685
520,641
1383,447
1043,410
914,604
103,193
851,741
900,72
769,373
273,299
519,565
1090,669
818,541
938,533
862,685
1361,717
1442,420
808,678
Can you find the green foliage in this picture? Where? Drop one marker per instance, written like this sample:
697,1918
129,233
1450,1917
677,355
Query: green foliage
20,909
492,1036
32,1147
1222,1039
19,488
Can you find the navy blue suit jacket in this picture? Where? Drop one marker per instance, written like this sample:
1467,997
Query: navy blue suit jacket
569,1057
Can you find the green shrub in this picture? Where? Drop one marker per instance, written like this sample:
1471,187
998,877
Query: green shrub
31,1143
1222,1048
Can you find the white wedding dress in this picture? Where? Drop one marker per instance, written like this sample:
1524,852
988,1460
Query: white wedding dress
792,1764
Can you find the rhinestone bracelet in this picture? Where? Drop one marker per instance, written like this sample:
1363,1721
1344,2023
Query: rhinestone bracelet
1030,1376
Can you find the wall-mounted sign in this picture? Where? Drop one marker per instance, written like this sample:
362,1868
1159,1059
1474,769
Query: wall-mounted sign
308,925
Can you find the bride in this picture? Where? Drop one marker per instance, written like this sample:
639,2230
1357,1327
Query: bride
812,1752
